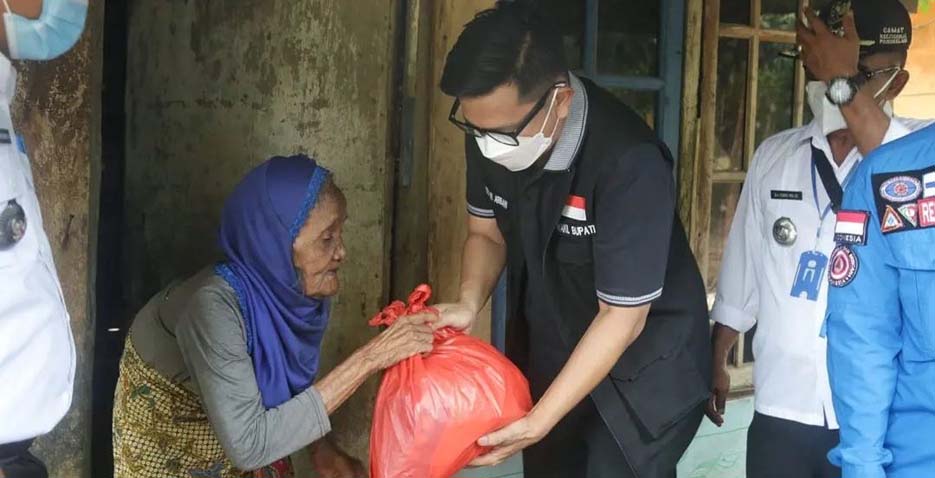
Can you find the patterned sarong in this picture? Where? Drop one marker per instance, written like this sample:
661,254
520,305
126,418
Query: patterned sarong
161,430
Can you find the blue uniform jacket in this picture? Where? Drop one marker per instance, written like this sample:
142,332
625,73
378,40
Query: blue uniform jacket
881,314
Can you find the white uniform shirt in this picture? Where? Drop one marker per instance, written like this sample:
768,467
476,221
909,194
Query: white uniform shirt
37,353
757,273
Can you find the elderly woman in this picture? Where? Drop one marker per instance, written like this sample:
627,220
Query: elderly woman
219,374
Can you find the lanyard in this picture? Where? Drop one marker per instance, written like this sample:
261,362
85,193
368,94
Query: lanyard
823,214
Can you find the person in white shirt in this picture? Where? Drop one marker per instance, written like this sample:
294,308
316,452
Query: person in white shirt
775,264
37,352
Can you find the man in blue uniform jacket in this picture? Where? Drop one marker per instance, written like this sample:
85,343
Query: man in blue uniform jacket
881,314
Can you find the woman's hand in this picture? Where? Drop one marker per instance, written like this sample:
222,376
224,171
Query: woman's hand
409,336
459,316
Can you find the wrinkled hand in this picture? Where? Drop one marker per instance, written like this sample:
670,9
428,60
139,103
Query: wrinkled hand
409,336
329,461
720,387
456,315
825,55
509,441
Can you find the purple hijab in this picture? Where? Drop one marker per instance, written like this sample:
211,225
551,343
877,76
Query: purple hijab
260,222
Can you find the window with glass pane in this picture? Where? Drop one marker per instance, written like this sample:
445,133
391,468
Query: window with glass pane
730,113
757,94
628,38
775,91
569,17
735,11
778,14
630,48
724,198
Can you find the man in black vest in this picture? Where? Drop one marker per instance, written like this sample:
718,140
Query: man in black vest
570,191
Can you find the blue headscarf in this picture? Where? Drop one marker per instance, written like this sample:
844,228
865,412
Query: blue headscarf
260,222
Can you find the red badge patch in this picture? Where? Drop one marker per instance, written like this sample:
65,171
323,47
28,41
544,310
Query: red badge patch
927,212
844,266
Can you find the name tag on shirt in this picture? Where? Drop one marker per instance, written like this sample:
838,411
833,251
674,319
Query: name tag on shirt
786,195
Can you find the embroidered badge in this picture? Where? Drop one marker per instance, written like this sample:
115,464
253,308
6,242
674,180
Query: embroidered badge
911,213
844,266
851,227
927,212
928,184
575,208
891,221
901,189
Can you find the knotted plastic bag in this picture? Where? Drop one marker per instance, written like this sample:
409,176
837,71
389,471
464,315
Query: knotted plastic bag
432,409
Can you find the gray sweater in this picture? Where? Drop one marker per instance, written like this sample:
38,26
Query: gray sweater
192,333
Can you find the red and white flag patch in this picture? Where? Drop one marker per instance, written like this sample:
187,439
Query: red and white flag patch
851,227
575,208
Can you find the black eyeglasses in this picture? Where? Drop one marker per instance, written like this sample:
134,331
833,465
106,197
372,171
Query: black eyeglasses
507,138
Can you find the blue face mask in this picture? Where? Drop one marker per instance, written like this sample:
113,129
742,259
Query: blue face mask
56,30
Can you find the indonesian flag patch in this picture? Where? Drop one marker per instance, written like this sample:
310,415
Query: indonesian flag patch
575,208
851,227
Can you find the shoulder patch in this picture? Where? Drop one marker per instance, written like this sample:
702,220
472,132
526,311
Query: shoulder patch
901,189
905,200
927,212
851,227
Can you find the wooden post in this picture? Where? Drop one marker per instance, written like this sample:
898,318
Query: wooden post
691,79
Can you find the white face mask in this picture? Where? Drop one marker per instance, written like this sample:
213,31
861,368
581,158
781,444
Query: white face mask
829,116
526,153
57,29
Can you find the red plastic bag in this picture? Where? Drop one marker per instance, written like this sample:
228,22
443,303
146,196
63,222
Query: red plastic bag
431,410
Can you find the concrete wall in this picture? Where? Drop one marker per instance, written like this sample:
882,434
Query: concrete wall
57,109
216,87
446,192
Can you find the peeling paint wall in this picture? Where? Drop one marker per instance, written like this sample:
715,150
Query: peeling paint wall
216,87
57,110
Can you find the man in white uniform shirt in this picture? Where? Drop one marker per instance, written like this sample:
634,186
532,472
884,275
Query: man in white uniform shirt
775,266
37,353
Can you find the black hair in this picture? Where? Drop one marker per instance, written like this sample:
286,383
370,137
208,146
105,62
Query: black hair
509,43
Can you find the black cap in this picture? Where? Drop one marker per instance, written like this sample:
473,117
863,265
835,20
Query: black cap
883,25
